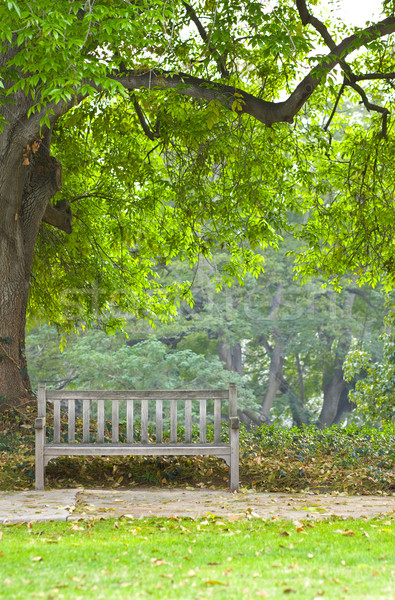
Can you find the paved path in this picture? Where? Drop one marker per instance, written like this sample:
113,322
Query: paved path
69,504
54,505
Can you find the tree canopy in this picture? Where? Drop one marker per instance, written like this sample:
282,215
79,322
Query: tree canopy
183,129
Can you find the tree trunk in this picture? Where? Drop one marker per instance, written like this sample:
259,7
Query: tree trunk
345,406
275,377
231,356
276,358
29,177
332,392
333,380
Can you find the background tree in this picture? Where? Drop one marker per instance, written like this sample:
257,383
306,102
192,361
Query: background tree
285,351
204,83
374,390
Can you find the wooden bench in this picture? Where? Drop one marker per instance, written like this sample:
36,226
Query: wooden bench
159,412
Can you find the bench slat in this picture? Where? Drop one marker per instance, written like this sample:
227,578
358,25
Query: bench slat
115,422
173,421
71,429
52,450
159,421
129,421
217,421
100,421
203,422
86,416
136,394
144,421
188,421
56,421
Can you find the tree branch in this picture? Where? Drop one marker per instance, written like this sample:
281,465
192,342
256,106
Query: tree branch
372,76
60,216
370,106
242,102
335,107
152,135
203,34
306,18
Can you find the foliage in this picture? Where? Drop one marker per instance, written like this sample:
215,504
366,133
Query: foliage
351,460
175,127
153,174
179,558
141,205
313,325
374,392
94,360
351,220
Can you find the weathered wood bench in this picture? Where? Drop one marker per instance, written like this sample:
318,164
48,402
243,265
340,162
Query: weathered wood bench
164,406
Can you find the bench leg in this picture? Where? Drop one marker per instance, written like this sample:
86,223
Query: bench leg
40,466
234,460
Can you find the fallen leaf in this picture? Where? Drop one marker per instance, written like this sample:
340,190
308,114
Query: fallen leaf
158,561
37,558
214,582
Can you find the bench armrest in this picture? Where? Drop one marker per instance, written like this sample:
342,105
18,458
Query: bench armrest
234,423
39,423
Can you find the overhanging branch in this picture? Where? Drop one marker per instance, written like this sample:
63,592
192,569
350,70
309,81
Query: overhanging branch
242,102
308,18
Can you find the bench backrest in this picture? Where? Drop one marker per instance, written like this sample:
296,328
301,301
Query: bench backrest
166,409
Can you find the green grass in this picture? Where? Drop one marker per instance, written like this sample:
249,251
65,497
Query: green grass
210,558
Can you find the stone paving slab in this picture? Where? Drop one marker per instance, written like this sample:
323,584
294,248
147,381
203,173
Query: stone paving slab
156,502
71,504
53,505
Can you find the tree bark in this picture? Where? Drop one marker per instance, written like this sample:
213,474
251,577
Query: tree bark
29,177
333,381
231,355
344,406
276,359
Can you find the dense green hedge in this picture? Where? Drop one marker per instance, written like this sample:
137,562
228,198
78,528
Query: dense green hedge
351,459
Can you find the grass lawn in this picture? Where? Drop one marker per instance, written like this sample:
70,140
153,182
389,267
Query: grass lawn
199,559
